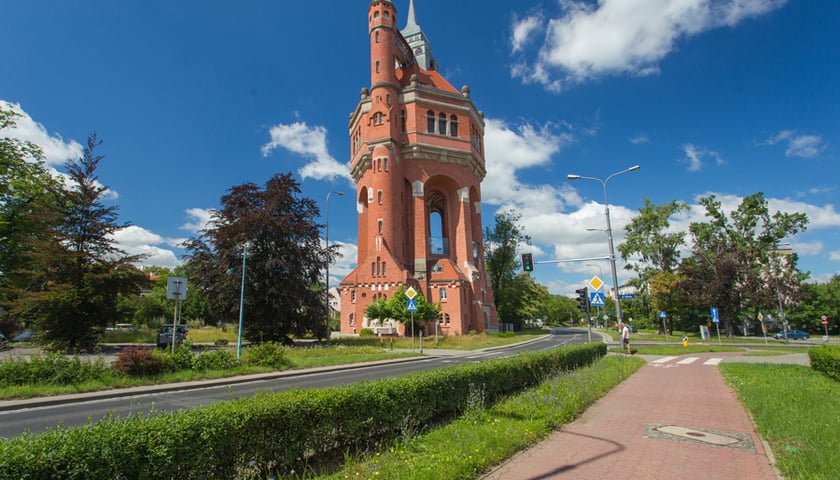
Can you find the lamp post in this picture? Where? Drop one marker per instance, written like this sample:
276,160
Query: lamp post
327,242
609,230
241,302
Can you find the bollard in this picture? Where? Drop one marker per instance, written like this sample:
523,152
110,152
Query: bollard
685,341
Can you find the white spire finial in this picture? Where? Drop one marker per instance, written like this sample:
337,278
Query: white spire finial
412,20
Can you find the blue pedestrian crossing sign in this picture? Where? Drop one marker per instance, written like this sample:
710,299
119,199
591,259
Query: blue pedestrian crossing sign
715,315
411,305
596,299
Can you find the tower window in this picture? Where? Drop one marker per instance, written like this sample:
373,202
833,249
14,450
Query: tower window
377,64
442,124
402,122
380,225
379,195
383,268
453,126
376,36
442,294
430,121
385,164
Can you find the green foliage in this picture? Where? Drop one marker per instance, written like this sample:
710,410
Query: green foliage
52,369
76,275
268,354
366,332
276,433
215,360
283,260
826,359
513,293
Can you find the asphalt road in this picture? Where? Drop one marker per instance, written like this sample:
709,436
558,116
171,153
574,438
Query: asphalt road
39,415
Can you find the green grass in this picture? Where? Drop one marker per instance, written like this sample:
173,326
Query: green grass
796,412
487,435
675,349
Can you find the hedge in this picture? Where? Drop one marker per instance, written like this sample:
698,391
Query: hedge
277,432
826,359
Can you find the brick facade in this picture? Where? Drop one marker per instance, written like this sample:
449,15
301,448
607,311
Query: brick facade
417,157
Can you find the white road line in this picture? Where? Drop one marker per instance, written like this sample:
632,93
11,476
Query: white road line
663,360
712,361
688,360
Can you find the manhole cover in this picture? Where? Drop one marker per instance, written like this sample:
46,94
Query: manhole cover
699,436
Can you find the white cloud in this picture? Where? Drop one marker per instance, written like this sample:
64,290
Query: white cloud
639,139
798,145
56,151
199,219
310,142
136,240
510,149
522,31
694,155
834,256
589,40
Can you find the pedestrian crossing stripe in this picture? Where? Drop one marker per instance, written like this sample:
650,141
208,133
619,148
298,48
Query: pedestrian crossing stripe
684,361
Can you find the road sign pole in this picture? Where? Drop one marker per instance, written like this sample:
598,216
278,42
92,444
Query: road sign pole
412,331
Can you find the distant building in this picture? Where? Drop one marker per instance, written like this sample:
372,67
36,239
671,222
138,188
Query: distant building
417,157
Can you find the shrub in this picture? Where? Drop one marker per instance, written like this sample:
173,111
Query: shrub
137,362
215,360
366,332
52,369
182,359
268,354
826,359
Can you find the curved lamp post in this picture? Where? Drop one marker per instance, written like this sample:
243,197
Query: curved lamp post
327,242
609,230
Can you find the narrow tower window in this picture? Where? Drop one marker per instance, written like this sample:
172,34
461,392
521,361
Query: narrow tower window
453,126
442,124
430,121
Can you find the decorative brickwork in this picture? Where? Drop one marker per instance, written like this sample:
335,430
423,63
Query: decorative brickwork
417,157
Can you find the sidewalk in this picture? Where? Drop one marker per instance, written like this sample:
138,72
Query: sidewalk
674,418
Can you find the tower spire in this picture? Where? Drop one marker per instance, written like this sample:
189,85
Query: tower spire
412,19
417,40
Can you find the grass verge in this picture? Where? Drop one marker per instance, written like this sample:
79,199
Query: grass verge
795,411
487,435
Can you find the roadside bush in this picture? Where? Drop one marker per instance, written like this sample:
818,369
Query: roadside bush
366,332
281,432
137,362
215,360
268,354
52,369
826,359
182,359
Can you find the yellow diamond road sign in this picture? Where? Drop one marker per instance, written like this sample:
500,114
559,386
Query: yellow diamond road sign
596,283
411,293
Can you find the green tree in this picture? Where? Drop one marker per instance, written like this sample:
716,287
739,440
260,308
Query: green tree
77,274
651,250
284,293
728,266
500,246
394,308
27,210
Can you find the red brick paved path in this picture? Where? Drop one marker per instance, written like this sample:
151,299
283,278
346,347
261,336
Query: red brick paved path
609,440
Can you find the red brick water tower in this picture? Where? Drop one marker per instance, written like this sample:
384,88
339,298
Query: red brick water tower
417,157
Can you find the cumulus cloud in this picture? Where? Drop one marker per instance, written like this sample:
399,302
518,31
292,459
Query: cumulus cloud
55,149
695,154
797,145
639,139
588,40
309,142
135,240
199,218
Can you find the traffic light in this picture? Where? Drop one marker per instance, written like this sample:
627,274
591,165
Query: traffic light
583,298
527,262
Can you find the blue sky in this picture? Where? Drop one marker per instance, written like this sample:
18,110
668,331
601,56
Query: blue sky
724,97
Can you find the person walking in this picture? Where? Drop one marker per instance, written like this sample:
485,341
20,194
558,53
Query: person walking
625,337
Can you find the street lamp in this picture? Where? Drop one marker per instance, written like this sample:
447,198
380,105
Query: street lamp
327,242
609,231
241,303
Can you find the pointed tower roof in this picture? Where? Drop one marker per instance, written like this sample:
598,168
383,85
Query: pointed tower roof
417,40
